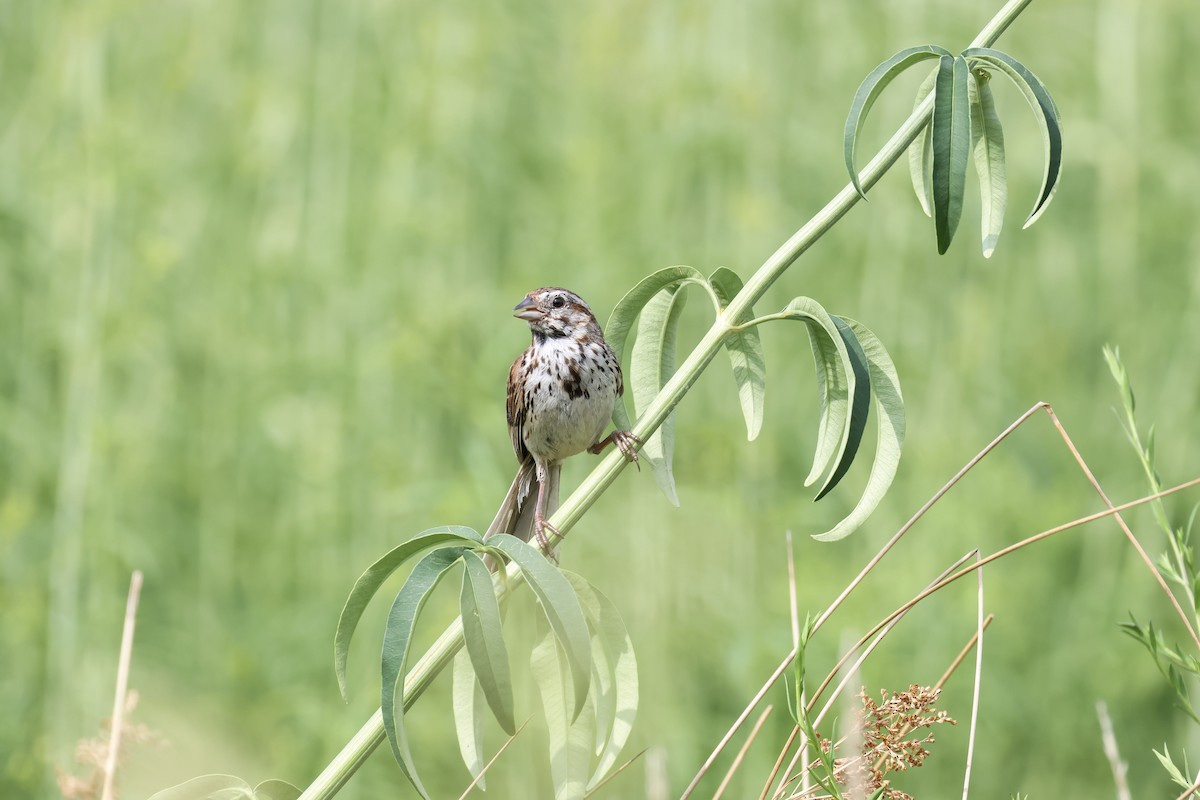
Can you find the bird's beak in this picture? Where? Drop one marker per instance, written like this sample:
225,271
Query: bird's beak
527,310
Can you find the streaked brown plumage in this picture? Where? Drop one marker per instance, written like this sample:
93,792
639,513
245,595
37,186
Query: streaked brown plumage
561,393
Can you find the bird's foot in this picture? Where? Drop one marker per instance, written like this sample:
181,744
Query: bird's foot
540,526
625,441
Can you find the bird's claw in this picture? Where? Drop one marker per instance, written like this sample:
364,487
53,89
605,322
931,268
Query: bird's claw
540,526
627,443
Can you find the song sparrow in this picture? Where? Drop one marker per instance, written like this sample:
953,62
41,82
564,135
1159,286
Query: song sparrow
561,393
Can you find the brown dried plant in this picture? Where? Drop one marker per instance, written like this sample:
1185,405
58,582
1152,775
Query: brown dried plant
888,729
92,754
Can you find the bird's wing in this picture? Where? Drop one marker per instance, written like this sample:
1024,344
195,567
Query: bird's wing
515,406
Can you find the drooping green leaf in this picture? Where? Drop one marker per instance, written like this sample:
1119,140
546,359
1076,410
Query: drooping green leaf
228,787
370,581
920,152
570,735
561,607
834,377
397,638
616,699
208,787
1042,103
889,413
860,407
275,789
845,387
620,322
869,90
745,354
468,702
987,144
485,639
951,133
651,365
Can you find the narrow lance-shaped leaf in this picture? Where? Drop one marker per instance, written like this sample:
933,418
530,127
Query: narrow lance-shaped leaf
1042,103
467,702
205,786
570,736
485,639
920,152
561,607
621,700
651,365
987,144
834,377
844,386
620,322
397,638
860,407
370,581
951,132
275,789
869,90
745,354
889,413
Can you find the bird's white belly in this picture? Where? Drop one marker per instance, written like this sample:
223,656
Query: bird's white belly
564,425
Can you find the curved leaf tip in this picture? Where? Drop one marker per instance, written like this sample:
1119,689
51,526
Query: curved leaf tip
369,582
889,407
869,90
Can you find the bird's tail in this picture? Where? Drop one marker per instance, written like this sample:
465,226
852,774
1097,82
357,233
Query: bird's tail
515,516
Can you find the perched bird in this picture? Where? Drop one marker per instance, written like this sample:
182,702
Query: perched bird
561,393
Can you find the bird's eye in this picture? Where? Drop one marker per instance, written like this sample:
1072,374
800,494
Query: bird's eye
558,302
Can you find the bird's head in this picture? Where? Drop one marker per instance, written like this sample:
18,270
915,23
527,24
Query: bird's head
557,313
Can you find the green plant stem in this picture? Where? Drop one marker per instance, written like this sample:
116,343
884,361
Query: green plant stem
371,735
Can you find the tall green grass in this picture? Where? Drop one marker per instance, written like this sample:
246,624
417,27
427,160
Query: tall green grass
256,266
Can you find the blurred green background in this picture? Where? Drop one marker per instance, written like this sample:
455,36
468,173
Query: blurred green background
258,261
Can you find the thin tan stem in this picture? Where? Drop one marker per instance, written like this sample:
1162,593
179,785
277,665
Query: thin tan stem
118,715
1125,528
787,660
1012,548
1111,752
883,551
491,761
766,687
962,655
1195,787
741,754
863,656
614,774
802,774
975,690
787,746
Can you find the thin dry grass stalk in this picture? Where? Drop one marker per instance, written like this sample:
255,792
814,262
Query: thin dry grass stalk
1149,562
858,662
850,587
1109,739
101,754
741,755
1195,787
492,760
610,776
787,746
119,699
1110,511
962,654
93,754
976,688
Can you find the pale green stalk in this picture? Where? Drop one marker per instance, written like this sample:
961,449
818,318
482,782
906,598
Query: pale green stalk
442,652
